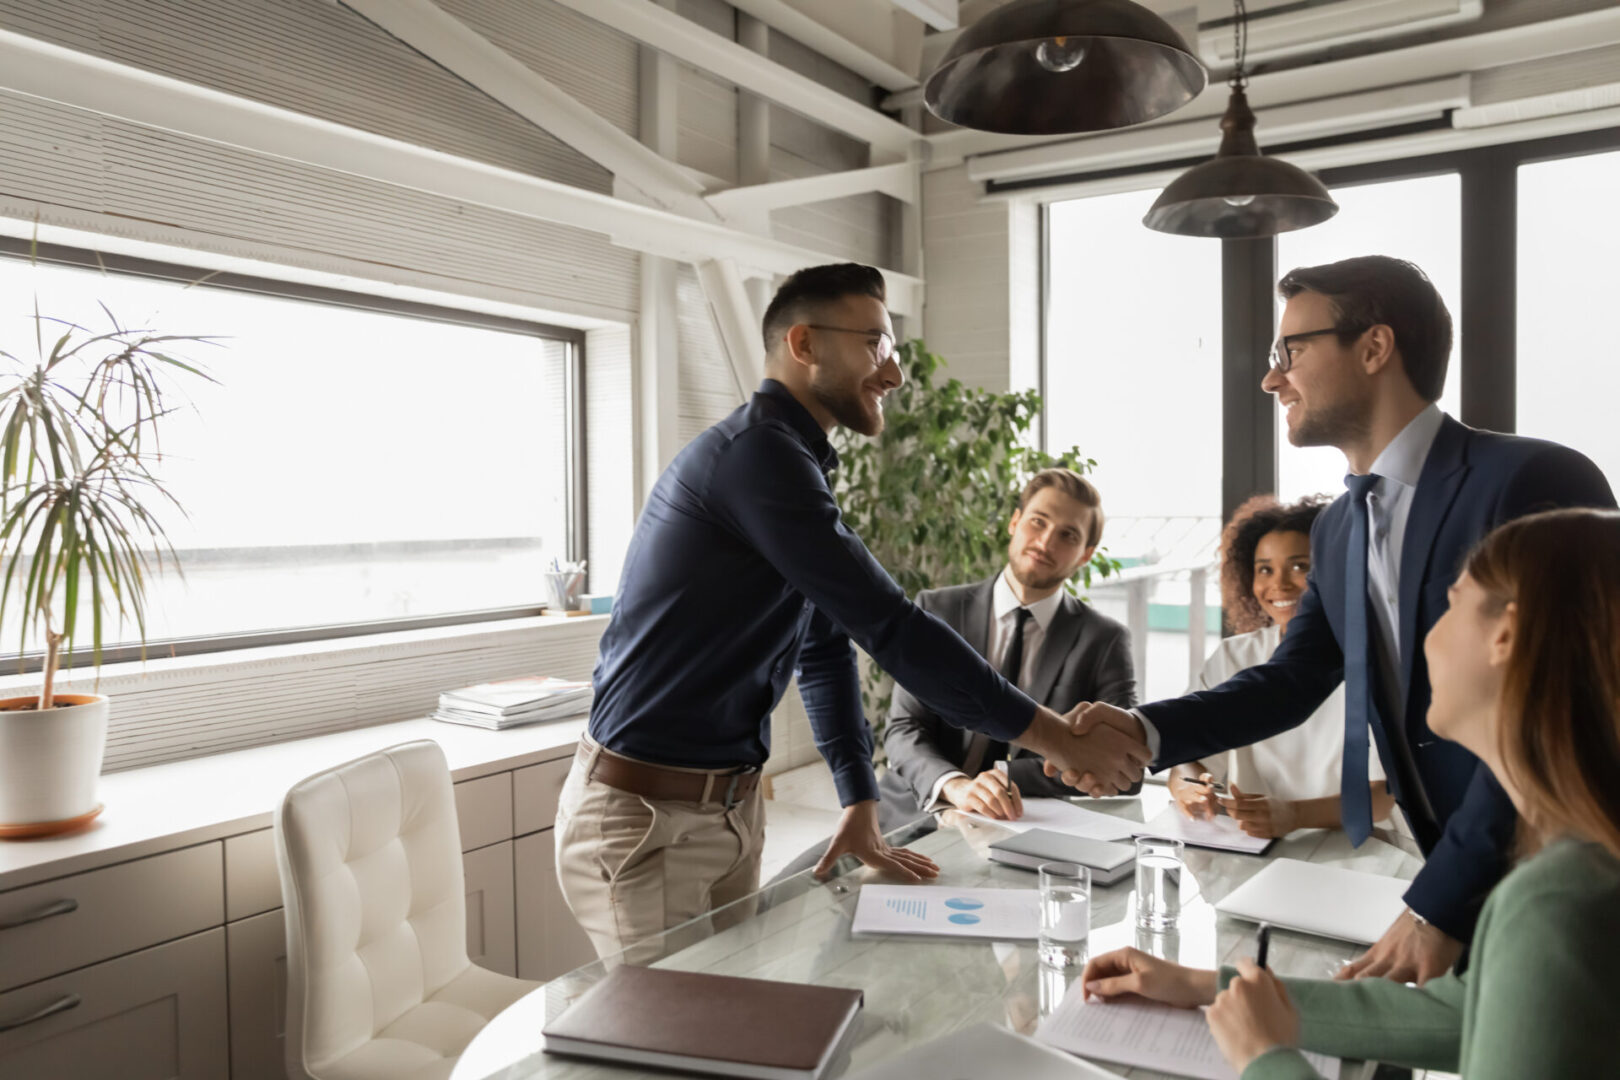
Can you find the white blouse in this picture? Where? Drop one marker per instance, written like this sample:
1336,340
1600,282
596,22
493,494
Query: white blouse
1303,763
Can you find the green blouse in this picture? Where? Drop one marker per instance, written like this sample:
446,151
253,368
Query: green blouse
1540,998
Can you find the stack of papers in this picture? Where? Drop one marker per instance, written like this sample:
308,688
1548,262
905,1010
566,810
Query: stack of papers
983,1051
1061,815
1145,1034
1221,834
497,705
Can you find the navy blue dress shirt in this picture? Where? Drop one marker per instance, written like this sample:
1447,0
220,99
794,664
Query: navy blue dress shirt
740,573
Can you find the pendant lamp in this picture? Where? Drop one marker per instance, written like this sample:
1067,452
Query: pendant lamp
1241,193
1053,67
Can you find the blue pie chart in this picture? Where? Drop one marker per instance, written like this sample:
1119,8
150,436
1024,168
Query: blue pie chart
959,903
963,918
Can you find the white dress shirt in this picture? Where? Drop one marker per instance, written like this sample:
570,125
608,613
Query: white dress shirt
1004,606
1301,763
1389,505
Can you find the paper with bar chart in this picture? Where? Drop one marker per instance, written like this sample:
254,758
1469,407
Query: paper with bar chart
933,910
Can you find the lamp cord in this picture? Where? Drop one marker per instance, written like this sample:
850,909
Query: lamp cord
1240,45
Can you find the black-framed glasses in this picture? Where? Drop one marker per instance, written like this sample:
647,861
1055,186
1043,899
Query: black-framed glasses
1282,359
885,344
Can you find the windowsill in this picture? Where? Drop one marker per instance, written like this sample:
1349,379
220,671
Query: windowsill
201,666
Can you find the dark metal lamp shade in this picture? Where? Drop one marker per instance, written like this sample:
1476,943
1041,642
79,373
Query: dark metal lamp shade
1240,194
1053,67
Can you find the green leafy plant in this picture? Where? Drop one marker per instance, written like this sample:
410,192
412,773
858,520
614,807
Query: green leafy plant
932,497
78,436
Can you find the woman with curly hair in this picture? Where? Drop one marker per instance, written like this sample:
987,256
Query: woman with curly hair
1289,781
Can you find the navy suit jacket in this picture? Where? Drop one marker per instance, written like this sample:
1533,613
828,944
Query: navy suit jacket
1471,482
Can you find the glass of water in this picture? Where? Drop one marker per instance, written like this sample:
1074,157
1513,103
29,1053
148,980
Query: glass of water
1158,882
1065,913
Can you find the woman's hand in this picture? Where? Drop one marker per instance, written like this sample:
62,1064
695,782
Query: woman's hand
1259,815
1197,801
1252,1015
1132,971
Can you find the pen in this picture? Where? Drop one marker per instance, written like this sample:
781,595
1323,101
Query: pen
1265,943
1006,780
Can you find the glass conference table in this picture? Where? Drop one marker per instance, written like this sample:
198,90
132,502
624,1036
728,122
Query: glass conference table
918,989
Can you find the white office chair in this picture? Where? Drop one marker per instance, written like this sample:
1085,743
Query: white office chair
379,984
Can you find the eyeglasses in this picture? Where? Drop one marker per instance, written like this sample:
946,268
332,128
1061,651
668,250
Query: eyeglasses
1282,360
885,343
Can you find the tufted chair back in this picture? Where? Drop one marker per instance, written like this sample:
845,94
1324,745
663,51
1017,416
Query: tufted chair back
371,878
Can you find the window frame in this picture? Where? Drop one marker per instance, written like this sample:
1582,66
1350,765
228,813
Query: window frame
574,463
1489,316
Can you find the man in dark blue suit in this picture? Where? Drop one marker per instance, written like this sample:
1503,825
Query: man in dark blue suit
1359,364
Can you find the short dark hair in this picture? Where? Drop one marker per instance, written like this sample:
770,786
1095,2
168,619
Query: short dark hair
1250,523
1377,290
807,289
1076,487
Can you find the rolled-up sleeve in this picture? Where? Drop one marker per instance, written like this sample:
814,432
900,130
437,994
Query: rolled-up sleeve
767,486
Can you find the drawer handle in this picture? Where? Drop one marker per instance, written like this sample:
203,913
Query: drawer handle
57,907
60,1005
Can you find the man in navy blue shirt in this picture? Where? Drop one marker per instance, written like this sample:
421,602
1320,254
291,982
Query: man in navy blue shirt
741,573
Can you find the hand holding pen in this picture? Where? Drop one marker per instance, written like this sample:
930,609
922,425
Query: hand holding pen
1254,1014
991,793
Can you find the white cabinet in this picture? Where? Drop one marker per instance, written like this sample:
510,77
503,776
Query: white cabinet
256,960
491,923
155,1014
549,940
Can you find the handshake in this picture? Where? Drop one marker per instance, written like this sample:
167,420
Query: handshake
1096,747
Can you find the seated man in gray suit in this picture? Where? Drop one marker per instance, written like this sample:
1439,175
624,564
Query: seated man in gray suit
1052,646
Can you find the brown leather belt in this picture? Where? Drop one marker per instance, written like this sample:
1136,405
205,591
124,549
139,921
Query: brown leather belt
657,782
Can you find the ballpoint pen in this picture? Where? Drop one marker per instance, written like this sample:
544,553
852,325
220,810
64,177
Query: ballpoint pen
1006,779
1265,944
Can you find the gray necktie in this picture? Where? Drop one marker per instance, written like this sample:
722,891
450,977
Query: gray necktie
1012,666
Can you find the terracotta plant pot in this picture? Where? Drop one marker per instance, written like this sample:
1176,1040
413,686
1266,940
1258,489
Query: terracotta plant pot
50,761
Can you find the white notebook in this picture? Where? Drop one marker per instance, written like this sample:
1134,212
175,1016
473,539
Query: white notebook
983,1052
1146,1035
998,914
1221,834
1350,905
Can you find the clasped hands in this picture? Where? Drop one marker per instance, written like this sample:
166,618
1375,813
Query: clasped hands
1096,748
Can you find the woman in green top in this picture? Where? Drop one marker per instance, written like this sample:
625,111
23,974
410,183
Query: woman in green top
1525,669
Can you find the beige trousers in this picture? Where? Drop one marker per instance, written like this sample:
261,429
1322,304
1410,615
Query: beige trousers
632,867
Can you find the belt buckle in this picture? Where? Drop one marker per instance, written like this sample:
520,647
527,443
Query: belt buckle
731,788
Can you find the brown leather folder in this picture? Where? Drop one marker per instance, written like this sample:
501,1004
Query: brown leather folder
714,1024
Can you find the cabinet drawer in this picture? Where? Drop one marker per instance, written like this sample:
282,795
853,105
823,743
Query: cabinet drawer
484,810
537,789
155,1013
109,912
252,882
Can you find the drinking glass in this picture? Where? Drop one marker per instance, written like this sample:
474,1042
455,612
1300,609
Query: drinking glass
1158,882
1065,913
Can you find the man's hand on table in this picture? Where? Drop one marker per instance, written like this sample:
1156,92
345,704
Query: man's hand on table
990,793
1409,951
1097,748
858,835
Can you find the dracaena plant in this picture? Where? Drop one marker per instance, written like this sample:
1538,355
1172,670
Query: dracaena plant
932,497
78,441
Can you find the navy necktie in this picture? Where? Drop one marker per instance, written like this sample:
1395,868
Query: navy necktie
1355,801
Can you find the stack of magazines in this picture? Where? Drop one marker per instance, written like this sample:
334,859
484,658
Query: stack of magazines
511,702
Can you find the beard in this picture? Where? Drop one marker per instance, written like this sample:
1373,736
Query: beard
848,405
1330,425
1036,577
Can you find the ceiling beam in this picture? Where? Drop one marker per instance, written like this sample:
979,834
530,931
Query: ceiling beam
782,16
735,318
484,66
687,41
898,180
39,69
939,14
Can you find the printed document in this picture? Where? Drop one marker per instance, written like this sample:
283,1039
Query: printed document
1147,1035
1222,834
1061,815
1000,914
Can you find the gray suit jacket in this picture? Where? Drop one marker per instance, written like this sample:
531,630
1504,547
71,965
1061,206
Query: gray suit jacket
1084,657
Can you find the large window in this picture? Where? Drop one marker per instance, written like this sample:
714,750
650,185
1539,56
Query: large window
1567,376
350,465
1418,219
1133,378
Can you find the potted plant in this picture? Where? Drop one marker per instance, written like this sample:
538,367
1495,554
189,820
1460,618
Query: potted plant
78,539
